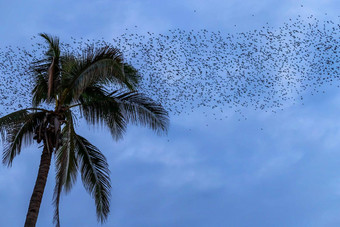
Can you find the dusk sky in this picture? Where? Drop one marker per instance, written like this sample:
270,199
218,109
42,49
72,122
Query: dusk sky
259,169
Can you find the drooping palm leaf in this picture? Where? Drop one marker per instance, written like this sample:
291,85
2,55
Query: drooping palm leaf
141,110
20,133
99,109
117,109
95,175
14,118
66,165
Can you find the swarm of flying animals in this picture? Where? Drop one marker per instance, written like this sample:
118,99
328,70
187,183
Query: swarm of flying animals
264,69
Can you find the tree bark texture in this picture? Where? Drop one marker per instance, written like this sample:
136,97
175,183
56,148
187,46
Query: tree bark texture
38,191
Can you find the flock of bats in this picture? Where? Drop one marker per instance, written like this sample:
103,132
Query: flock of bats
187,70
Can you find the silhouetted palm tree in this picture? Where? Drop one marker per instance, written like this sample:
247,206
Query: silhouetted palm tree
69,81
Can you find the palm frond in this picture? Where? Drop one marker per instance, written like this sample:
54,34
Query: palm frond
141,110
40,90
53,42
98,109
19,133
47,71
12,119
117,109
66,165
95,175
100,66
17,117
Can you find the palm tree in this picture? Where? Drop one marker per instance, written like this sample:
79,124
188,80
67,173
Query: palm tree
67,82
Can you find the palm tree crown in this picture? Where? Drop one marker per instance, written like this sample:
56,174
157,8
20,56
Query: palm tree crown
68,81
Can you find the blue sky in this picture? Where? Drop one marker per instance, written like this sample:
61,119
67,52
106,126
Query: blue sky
279,169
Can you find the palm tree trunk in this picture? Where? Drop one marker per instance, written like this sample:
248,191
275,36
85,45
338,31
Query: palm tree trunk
34,206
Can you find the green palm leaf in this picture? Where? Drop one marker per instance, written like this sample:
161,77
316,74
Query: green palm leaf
95,175
17,117
66,165
99,109
53,41
47,72
11,119
117,109
99,66
20,132
141,110
40,90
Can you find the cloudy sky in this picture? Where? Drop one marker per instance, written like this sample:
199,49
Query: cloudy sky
271,169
